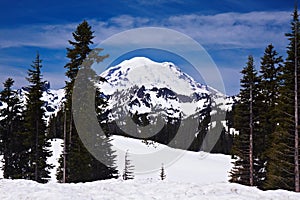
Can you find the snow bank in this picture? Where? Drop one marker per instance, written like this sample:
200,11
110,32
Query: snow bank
136,189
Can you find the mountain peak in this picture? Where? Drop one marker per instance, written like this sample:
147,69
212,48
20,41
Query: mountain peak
144,71
147,85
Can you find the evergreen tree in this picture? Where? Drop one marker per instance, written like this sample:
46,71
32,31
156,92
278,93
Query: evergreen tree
82,165
245,116
162,172
10,127
281,167
35,127
271,65
128,168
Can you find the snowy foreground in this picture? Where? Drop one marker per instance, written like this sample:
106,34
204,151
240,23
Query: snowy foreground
136,189
190,175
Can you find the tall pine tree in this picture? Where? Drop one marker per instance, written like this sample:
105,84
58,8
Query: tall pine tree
35,127
10,132
245,115
271,65
281,167
81,165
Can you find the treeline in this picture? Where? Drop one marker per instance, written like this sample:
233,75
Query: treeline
266,116
24,134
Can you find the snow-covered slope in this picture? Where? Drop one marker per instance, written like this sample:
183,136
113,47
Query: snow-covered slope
136,190
180,165
193,176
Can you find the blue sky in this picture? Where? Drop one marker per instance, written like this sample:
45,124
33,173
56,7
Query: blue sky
229,30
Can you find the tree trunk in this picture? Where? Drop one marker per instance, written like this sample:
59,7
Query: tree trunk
296,155
65,146
251,136
36,151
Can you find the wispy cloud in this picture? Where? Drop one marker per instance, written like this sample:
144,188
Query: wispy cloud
19,75
253,30
50,36
234,30
226,30
12,72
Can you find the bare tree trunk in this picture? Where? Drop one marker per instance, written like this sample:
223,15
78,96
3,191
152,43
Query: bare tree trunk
65,146
36,150
251,136
296,153
71,123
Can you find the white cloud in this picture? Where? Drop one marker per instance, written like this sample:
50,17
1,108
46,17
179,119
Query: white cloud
225,30
234,30
56,79
12,72
50,36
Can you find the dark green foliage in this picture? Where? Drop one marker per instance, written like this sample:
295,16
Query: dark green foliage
83,36
280,167
162,173
224,143
241,170
271,65
11,125
35,128
128,168
81,165
56,126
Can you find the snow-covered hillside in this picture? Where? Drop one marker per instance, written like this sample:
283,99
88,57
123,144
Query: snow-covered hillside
193,176
136,190
180,165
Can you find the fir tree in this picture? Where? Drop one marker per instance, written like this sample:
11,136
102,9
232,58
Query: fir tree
10,128
271,65
81,165
162,173
35,127
281,166
245,112
128,168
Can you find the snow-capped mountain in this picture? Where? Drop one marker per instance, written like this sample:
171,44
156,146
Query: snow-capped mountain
163,102
142,86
